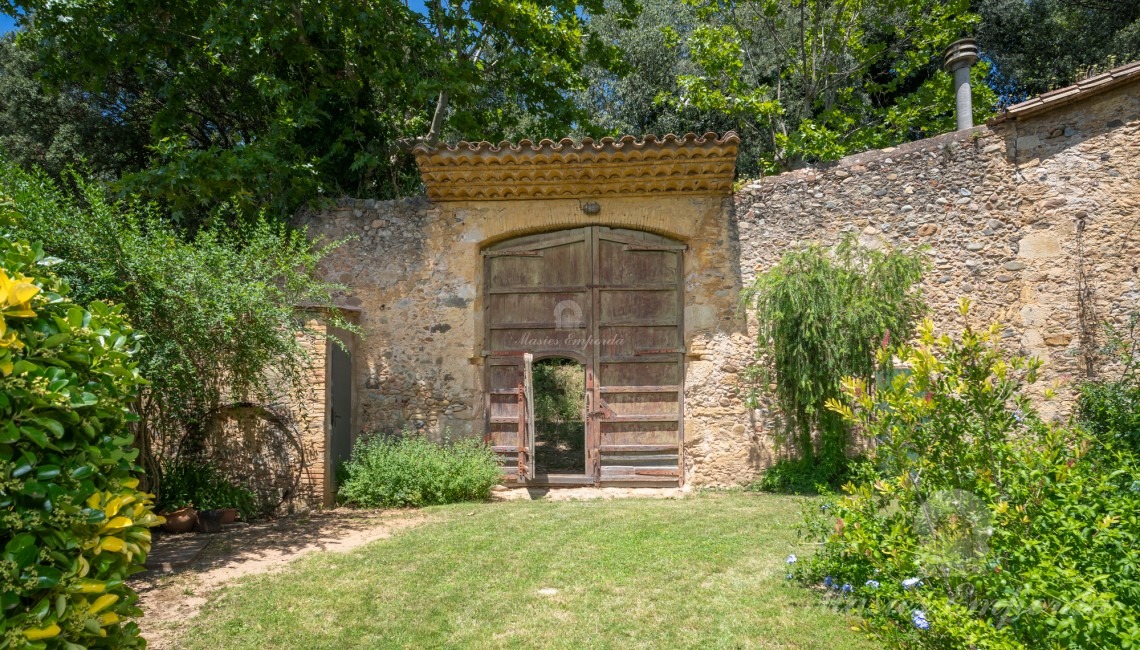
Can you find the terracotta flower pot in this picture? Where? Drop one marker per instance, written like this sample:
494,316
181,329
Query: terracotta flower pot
229,515
210,521
181,520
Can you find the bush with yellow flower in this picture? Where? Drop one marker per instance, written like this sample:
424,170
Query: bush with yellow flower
73,522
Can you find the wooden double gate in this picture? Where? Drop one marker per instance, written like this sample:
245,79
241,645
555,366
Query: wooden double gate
613,301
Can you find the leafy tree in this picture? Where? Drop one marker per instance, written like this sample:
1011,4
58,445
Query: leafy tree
626,100
219,310
51,130
808,80
1044,44
277,103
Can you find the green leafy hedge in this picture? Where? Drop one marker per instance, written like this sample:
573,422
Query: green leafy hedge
412,471
73,522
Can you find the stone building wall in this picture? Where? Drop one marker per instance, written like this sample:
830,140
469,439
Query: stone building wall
415,272
309,411
1020,216
1010,213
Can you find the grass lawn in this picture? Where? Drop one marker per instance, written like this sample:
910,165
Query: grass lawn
706,571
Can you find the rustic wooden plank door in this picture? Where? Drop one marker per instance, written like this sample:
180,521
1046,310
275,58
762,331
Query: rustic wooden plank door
611,299
538,303
638,363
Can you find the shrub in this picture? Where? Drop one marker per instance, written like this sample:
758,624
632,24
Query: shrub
820,318
1110,407
73,523
219,306
1111,410
979,525
410,470
199,484
801,476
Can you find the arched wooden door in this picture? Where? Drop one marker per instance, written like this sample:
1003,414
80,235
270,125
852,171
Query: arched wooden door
613,300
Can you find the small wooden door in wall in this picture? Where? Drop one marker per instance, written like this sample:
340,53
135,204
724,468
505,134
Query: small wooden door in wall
510,421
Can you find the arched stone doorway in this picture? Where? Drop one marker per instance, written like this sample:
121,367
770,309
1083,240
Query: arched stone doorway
612,300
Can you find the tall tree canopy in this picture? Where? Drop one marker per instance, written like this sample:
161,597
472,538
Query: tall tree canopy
273,103
1040,45
801,80
263,105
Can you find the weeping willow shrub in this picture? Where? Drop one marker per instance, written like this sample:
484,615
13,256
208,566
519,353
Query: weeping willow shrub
821,316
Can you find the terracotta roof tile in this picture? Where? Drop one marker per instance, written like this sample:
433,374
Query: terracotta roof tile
688,164
1081,90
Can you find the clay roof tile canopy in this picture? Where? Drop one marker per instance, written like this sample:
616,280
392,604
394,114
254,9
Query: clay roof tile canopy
689,164
1084,89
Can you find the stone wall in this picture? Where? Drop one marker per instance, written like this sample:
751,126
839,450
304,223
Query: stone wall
1011,214
415,270
1020,217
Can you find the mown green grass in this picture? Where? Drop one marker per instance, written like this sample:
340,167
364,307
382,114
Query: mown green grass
705,571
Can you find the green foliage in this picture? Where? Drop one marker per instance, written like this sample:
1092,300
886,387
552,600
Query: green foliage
410,470
274,104
1110,407
1042,45
187,482
626,101
1111,410
1012,533
874,77
219,309
73,523
821,317
559,391
50,130
802,476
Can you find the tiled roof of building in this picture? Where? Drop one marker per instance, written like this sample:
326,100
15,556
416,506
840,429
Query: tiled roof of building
688,164
1081,90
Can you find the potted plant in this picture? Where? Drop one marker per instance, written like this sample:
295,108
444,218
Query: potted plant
180,520
210,521
219,501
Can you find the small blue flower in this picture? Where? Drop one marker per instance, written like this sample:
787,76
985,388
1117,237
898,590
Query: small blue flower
791,559
825,507
828,582
848,588
911,583
789,576
873,584
918,617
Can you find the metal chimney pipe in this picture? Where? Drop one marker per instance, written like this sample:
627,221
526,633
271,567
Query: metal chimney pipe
960,57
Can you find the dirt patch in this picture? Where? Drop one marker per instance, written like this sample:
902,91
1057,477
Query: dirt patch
168,599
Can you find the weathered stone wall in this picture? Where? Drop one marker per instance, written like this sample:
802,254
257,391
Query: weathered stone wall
415,272
1018,217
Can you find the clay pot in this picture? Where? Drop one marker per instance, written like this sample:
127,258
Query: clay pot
210,521
181,520
229,515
